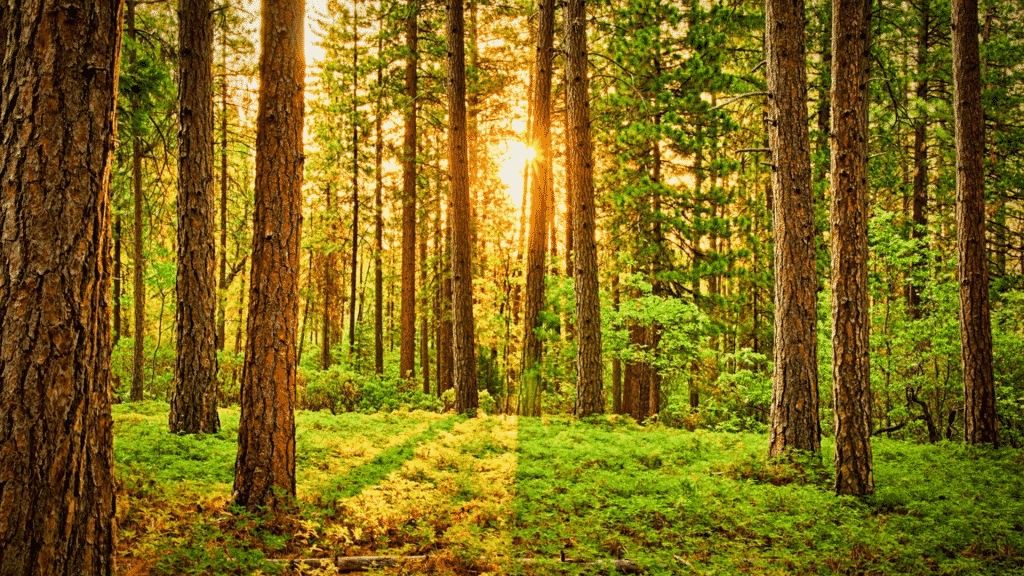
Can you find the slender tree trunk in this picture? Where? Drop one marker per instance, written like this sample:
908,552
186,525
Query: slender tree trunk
222,296
794,408
355,176
139,260
473,133
407,344
424,309
530,390
580,186
851,318
265,466
328,289
378,233
617,406
58,87
194,400
920,198
980,423
117,279
463,338
438,287
446,372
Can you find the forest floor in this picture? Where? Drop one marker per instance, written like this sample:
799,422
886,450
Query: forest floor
476,496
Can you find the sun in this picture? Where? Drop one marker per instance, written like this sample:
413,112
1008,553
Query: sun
512,159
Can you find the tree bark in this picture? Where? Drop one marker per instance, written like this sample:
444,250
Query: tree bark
580,187
378,233
139,260
328,288
117,280
424,309
58,87
851,318
617,405
463,338
407,344
530,390
920,194
265,466
355,177
794,408
980,423
222,293
194,400
446,370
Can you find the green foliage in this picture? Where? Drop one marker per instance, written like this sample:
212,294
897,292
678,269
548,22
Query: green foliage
339,389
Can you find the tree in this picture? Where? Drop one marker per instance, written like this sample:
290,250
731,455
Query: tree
194,400
540,138
57,497
980,423
265,465
794,408
407,344
851,320
580,186
139,268
463,338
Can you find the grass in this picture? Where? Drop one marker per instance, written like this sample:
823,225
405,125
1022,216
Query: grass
475,494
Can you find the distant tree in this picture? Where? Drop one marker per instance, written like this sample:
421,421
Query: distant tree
580,180
980,423
139,268
463,338
407,342
194,400
58,86
540,139
851,319
265,465
794,408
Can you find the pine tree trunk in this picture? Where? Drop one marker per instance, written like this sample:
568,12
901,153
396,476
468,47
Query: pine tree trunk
794,408
222,294
851,318
265,466
463,338
328,288
617,392
424,310
530,390
580,186
139,261
117,279
378,233
980,423
920,197
355,177
407,344
58,86
446,372
194,400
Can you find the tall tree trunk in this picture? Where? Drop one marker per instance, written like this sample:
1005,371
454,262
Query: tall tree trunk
851,318
920,198
529,392
407,344
794,408
139,260
446,371
980,423
117,280
265,466
222,294
473,134
463,338
617,392
194,400
580,186
378,233
355,177
58,88
328,288
424,309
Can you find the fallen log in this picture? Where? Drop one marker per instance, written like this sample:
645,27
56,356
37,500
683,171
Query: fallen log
364,563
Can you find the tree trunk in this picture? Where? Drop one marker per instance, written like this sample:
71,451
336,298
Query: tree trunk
139,260
794,408
530,390
355,177
328,288
980,423
407,345
265,466
117,279
446,371
463,338
580,186
222,294
378,233
851,318
920,197
424,309
617,405
194,400
58,87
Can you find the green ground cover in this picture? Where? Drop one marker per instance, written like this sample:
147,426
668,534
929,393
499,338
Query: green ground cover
476,494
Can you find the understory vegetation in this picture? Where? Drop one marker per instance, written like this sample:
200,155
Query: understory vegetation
477,495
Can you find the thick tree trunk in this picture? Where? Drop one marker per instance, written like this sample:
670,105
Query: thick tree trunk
407,344
463,337
265,466
58,87
194,400
530,390
920,197
378,233
794,408
580,186
139,261
980,423
851,318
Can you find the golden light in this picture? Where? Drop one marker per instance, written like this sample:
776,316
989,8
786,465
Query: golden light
513,158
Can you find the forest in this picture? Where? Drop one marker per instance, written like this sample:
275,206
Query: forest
504,287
